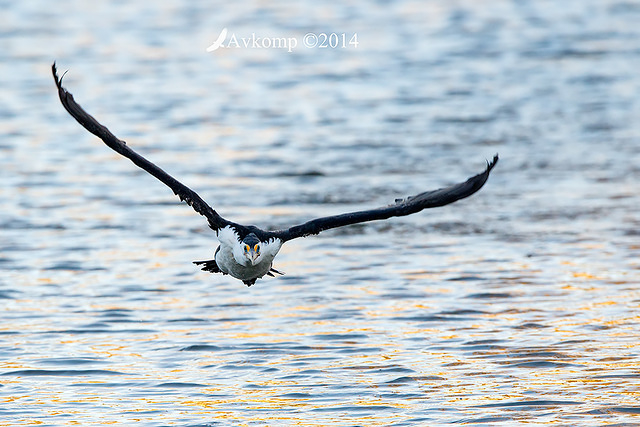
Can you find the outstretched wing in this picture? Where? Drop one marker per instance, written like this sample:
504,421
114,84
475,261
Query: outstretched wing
91,124
402,207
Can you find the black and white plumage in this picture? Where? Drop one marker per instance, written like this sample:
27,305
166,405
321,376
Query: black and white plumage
247,252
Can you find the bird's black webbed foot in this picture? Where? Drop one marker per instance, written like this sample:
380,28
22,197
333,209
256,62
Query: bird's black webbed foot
272,271
249,282
209,266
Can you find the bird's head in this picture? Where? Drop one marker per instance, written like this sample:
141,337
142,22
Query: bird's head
251,248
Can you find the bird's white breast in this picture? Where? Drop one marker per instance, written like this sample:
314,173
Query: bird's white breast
231,259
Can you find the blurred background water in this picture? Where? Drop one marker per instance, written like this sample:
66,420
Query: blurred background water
517,305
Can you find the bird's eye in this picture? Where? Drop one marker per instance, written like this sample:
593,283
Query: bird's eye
246,248
256,248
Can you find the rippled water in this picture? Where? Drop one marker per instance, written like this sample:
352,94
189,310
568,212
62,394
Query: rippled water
518,305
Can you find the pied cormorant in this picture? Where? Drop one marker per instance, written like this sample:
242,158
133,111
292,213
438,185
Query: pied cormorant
247,252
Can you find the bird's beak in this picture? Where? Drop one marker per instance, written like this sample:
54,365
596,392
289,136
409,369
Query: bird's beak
254,257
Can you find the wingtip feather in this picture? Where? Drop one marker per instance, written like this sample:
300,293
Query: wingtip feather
493,162
62,92
58,80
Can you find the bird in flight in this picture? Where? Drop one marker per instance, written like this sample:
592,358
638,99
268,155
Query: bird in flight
246,252
219,41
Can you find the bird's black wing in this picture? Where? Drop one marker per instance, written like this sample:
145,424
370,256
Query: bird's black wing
91,124
402,207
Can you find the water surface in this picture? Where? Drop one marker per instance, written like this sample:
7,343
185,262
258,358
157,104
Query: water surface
518,305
